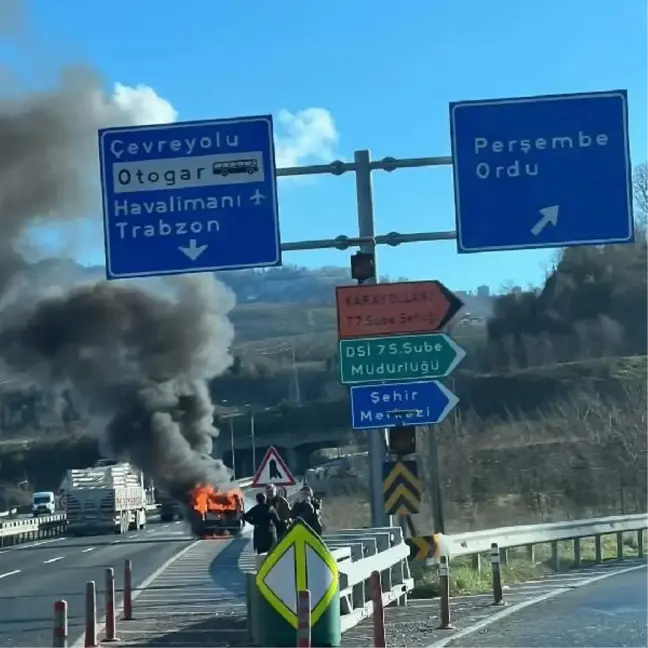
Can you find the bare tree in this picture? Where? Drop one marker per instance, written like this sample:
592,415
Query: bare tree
640,191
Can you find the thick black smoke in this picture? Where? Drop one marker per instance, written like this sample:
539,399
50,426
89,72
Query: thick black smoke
141,357
138,357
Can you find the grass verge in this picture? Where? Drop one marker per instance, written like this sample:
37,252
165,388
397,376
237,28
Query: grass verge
465,580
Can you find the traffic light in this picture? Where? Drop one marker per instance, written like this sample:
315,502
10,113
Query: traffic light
402,440
363,266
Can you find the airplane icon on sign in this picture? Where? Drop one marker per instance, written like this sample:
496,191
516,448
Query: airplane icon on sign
257,197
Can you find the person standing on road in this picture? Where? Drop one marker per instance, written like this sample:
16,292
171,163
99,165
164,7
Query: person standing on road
305,509
281,506
265,521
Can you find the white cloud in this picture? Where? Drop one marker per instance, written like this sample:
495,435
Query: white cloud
144,104
134,106
310,134
307,135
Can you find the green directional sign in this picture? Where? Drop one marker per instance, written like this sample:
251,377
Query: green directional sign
398,357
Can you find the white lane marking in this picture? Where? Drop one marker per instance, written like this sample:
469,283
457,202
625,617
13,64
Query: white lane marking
135,535
151,531
53,560
88,549
480,625
11,573
115,542
101,624
29,545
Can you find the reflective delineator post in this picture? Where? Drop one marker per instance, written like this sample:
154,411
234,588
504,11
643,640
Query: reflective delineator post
128,590
444,594
304,619
111,616
378,610
60,637
91,615
498,596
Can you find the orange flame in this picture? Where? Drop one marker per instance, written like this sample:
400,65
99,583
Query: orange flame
206,498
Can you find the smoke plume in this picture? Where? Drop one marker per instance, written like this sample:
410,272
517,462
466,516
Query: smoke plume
139,358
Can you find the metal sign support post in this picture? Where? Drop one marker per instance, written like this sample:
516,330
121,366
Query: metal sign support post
367,241
377,440
435,477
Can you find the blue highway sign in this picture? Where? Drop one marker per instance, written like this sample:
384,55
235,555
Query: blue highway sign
538,172
189,197
406,404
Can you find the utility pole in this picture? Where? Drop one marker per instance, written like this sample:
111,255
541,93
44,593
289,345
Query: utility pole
295,374
231,425
252,436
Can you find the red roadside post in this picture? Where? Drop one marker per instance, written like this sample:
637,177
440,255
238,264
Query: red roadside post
60,638
304,619
378,610
91,615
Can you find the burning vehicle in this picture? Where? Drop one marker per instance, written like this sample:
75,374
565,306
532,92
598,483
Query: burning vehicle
216,512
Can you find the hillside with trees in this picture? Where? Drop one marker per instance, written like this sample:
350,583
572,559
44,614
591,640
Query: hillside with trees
553,389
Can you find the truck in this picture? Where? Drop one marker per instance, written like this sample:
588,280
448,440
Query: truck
108,497
215,511
169,508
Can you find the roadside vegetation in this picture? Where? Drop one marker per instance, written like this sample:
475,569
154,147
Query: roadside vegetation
552,418
464,580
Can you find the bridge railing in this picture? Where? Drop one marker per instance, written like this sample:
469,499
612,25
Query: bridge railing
358,553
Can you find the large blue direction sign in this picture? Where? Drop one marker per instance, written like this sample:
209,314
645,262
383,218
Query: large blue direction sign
189,197
539,172
406,404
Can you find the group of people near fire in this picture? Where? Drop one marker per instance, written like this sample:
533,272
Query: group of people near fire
272,516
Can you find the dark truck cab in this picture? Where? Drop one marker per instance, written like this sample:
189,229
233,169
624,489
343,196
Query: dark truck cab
169,510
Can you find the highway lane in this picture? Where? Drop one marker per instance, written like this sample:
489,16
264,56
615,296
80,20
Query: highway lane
609,612
34,575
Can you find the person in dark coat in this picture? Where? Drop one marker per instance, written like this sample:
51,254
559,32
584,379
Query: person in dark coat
308,509
265,521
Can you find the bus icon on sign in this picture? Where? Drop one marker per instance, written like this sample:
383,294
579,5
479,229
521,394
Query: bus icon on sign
235,166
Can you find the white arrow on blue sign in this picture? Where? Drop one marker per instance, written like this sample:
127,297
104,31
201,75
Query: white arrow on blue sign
189,197
536,172
423,402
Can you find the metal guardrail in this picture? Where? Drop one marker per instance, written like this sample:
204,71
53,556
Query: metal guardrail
25,529
474,543
358,553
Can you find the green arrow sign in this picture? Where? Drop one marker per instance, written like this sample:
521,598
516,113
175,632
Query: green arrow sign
398,357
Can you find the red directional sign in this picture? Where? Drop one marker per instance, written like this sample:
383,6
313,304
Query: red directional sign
394,308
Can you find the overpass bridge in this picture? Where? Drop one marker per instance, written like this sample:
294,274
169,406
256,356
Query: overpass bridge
295,446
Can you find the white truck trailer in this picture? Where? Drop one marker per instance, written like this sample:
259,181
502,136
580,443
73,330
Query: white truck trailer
108,498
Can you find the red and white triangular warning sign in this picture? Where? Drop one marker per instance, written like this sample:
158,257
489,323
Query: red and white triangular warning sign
273,470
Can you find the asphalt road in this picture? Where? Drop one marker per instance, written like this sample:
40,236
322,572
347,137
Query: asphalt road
34,575
610,612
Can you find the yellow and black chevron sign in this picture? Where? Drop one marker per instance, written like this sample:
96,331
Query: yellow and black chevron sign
401,487
424,547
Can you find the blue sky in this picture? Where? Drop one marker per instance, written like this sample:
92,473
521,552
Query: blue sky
384,71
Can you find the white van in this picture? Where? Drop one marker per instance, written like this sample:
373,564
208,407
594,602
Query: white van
43,503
